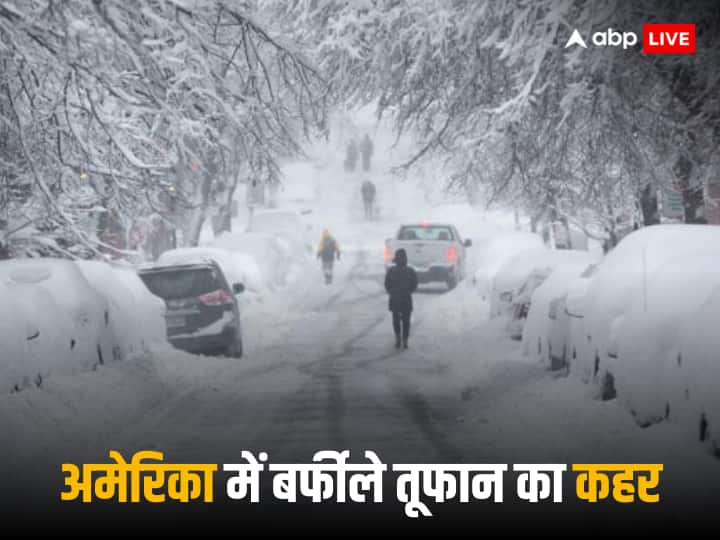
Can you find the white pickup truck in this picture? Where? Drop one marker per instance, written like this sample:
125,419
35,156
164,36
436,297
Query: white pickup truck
435,250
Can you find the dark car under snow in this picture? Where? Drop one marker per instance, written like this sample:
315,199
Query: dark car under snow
202,314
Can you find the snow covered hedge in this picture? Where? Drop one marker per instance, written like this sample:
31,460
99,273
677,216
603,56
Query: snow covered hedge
60,316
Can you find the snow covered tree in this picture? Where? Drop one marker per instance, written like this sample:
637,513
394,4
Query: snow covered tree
133,108
489,87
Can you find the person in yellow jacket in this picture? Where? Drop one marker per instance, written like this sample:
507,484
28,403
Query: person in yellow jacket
328,251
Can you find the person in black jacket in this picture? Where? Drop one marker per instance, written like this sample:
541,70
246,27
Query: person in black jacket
400,282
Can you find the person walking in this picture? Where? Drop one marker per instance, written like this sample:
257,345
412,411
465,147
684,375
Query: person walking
368,196
366,152
328,251
351,156
400,282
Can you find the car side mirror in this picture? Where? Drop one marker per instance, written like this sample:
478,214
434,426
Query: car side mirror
574,307
467,243
33,333
238,288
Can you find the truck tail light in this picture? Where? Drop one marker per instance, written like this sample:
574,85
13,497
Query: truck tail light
388,255
452,254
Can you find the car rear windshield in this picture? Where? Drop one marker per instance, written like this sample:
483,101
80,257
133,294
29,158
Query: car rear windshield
430,232
181,283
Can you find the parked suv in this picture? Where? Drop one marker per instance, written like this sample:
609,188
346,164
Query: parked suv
202,313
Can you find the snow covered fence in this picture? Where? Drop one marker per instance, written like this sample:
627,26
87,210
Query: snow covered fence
59,316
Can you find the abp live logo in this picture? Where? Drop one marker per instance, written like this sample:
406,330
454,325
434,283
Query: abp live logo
669,38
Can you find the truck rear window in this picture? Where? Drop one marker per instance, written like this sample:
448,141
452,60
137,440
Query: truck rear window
431,232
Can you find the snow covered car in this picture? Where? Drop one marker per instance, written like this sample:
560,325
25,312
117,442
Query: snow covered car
238,266
202,312
521,302
299,191
135,316
546,331
263,258
436,252
492,253
643,346
64,318
695,402
621,276
570,329
511,275
560,235
16,333
287,225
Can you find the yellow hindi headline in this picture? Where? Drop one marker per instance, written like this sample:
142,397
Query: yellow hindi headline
331,477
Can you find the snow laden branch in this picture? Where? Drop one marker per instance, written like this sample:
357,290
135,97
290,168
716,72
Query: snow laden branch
126,108
490,89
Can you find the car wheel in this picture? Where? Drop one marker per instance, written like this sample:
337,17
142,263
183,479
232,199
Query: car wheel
451,283
235,350
607,387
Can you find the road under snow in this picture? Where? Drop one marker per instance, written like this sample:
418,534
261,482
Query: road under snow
320,373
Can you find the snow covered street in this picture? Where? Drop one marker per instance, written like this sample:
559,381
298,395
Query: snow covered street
263,262
321,373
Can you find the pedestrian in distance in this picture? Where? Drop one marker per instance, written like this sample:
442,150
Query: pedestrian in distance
351,156
368,195
328,251
400,282
366,151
